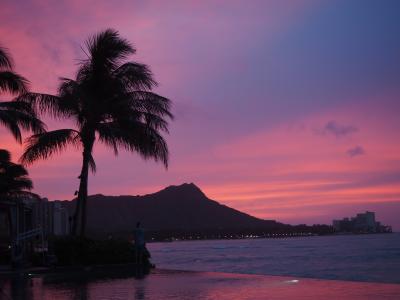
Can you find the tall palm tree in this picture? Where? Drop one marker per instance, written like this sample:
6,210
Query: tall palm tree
110,101
15,115
14,181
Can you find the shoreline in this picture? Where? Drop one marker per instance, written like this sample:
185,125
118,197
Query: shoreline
271,237
132,270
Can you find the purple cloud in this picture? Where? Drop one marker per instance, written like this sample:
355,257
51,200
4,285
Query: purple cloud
338,130
357,150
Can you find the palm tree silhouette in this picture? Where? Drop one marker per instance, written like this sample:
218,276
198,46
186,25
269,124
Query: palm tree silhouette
15,115
110,101
14,181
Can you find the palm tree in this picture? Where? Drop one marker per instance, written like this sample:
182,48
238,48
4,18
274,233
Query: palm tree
110,101
14,181
15,115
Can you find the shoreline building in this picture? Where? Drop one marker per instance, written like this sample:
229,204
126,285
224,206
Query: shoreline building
26,224
361,223
59,218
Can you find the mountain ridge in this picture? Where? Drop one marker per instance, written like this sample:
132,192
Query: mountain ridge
176,207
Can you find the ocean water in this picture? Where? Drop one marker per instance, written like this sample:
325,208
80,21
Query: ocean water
371,258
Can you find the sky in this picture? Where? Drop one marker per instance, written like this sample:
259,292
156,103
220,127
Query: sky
286,110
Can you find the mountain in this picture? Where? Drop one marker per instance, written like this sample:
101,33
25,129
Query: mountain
183,208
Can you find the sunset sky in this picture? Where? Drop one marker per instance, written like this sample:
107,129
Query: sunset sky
286,110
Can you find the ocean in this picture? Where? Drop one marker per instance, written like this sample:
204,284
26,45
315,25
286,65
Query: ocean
234,265
370,258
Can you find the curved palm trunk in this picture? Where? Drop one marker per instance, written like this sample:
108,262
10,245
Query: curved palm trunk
80,211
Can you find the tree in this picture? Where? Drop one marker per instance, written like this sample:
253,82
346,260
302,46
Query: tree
15,115
14,181
110,101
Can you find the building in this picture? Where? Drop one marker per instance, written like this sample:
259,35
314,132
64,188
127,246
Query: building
19,233
365,222
26,224
361,223
59,219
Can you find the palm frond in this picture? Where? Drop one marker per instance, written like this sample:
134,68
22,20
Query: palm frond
150,144
44,145
13,83
19,106
92,164
107,134
135,76
135,136
107,49
146,101
45,103
5,59
14,116
5,156
14,178
156,122
146,107
67,87
85,71
69,93
14,170
14,185
9,121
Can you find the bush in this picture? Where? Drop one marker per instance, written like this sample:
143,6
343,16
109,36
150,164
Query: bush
82,251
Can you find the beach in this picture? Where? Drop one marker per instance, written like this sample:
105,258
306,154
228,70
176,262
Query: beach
162,284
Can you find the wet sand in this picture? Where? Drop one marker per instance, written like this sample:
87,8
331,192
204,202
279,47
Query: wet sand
163,284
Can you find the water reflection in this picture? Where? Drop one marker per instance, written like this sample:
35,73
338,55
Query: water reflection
20,288
140,293
80,292
188,285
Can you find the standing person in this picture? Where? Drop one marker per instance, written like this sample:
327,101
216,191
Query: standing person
140,244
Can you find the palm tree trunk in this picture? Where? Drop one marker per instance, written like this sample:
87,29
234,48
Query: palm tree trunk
80,212
75,218
82,194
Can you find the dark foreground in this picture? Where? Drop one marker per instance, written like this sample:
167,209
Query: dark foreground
160,284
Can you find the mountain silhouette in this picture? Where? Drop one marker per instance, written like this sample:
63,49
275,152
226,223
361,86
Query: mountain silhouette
184,207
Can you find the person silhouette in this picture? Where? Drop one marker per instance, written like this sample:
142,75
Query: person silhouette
140,244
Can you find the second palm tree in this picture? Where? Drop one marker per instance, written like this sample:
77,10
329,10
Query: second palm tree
110,100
